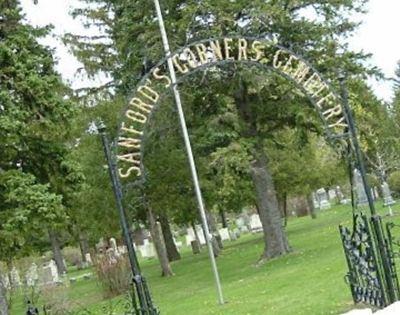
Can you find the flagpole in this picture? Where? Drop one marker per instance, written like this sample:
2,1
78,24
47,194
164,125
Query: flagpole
188,149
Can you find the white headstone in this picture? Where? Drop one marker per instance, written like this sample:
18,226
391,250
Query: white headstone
113,244
190,236
255,223
332,194
387,195
339,194
322,198
49,274
88,258
14,277
32,275
224,233
122,249
200,234
359,188
178,244
101,245
147,250
240,222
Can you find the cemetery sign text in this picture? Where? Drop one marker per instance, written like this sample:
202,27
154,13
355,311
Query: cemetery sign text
262,52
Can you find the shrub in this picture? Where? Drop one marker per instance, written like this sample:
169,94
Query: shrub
114,276
56,300
72,256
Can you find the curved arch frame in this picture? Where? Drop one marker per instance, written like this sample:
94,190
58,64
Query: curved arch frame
261,52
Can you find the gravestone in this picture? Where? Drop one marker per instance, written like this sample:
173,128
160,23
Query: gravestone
339,194
322,198
101,245
147,250
387,195
49,274
359,188
190,236
122,249
224,233
88,258
32,276
195,247
200,234
178,244
113,245
14,278
255,223
242,224
332,194
376,192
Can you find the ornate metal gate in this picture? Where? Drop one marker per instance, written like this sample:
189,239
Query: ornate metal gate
372,273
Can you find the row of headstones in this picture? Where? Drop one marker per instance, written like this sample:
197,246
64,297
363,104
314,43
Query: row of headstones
253,224
244,223
322,198
224,233
47,275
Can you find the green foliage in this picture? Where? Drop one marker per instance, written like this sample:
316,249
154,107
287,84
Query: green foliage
35,110
26,207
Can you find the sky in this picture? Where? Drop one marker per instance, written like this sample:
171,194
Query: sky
376,35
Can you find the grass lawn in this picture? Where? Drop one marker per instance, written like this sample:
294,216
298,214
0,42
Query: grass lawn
307,281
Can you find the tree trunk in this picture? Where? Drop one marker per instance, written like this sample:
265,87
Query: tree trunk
3,298
276,243
195,234
57,254
274,234
158,239
282,204
301,206
83,244
215,237
223,218
311,207
172,251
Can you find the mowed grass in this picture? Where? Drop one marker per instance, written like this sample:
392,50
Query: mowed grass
309,281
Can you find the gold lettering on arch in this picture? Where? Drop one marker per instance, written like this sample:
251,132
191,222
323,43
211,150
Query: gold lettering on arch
242,49
148,92
202,53
129,142
129,171
214,50
136,116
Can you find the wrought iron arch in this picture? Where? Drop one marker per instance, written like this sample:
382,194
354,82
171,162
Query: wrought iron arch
272,57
